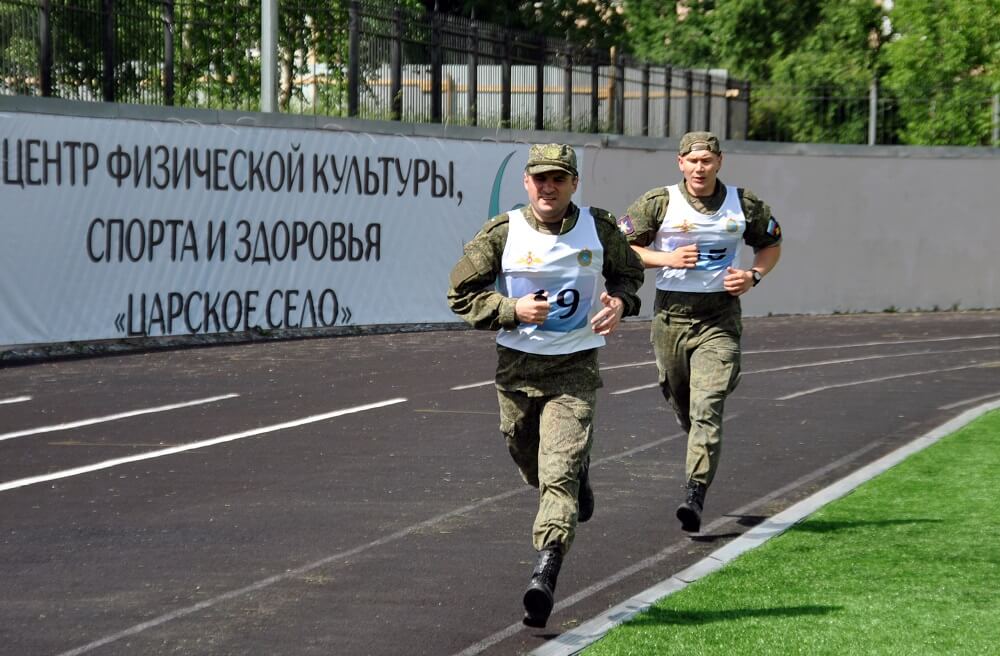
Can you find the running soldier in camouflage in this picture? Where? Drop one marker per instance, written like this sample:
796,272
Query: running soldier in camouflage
534,275
692,232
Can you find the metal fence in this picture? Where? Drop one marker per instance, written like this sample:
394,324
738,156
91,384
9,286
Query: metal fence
375,60
367,59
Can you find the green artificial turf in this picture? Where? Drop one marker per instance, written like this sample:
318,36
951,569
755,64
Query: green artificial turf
908,563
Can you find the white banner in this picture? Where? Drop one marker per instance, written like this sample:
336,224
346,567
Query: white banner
115,228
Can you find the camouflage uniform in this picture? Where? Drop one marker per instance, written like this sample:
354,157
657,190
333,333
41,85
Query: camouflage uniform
696,336
546,401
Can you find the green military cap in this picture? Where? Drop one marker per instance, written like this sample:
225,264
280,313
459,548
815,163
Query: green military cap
551,157
699,141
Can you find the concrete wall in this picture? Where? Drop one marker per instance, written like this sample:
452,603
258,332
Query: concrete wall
865,228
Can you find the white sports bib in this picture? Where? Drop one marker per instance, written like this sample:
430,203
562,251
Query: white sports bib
718,236
568,267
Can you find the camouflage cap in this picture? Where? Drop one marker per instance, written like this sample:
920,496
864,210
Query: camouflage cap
699,141
551,157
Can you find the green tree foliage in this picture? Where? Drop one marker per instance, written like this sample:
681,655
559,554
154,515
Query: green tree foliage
947,58
217,61
818,92
596,24
807,61
19,49
677,33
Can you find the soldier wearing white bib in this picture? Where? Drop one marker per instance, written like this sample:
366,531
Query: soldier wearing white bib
552,279
692,233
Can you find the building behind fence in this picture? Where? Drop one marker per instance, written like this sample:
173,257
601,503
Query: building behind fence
373,60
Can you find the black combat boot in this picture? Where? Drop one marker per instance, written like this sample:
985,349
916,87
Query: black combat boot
539,597
689,512
585,497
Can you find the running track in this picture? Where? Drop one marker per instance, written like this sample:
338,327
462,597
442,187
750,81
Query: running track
353,495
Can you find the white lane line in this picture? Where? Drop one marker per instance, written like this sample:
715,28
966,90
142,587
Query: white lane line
629,390
880,379
194,445
647,363
471,385
644,363
15,399
574,640
822,363
865,344
977,399
293,573
121,415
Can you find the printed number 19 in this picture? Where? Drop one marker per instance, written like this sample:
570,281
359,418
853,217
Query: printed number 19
569,299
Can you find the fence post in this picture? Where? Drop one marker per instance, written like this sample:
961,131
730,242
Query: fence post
873,113
396,66
540,85
726,106
472,93
436,63
45,48
668,89
108,47
619,87
689,91
168,52
709,88
268,55
595,100
505,79
353,54
749,108
996,120
568,89
645,100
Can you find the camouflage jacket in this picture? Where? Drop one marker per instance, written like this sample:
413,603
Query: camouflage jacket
474,297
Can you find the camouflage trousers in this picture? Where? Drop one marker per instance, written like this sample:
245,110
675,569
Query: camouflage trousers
549,438
696,339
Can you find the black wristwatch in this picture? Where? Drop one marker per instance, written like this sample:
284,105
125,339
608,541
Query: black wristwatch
756,276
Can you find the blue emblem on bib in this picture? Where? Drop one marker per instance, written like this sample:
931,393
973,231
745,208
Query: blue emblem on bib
585,257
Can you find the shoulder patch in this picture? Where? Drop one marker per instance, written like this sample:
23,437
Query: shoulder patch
625,225
773,228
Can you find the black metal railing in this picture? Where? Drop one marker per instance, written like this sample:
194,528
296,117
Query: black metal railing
359,58
376,60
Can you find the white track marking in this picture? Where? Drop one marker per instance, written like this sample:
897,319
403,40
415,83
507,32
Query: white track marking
766,351
977,399
877,380
76,471
821,363
121,415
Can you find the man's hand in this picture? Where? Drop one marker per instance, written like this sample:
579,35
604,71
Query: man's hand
683,257
605,321
737,281
533,308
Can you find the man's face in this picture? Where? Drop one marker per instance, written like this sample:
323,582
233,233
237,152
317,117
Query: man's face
549,194
700,169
